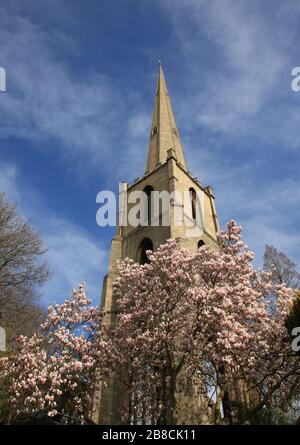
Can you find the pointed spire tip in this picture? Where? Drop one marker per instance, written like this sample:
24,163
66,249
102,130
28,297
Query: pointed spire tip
164,133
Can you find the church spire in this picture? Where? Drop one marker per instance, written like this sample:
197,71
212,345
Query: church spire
164,133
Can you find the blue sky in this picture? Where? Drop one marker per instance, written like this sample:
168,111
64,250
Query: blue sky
76,115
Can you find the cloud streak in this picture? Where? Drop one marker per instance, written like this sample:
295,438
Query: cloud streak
239,117
81,114
228,68
74,255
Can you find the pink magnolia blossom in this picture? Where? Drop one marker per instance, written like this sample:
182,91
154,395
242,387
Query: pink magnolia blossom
58,369
203,324
206,317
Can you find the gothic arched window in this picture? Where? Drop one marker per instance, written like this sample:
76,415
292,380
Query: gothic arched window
145,245
154,131
148,190
193,197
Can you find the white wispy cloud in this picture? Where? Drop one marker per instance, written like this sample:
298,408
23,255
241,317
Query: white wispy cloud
84,116
268,208
237,111
8,185
74,255
250,59
237,58
44,100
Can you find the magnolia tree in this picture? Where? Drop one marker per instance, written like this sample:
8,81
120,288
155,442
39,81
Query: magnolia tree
202,326
56,371
196,336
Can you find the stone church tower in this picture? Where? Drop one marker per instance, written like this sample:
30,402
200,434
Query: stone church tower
166,170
